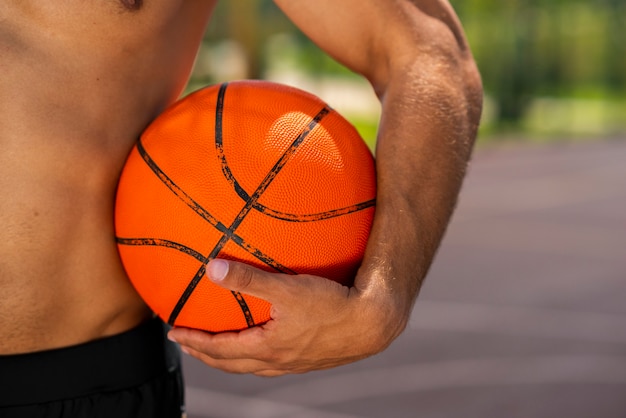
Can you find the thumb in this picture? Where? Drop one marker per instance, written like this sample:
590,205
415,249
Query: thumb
244,278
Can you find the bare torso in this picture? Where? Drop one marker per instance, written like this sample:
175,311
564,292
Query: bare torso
80,80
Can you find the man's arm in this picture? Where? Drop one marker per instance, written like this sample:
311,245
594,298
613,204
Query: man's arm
416,57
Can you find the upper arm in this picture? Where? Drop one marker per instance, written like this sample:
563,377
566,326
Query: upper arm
381,39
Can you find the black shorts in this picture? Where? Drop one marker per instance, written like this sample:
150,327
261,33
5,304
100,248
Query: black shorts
135,374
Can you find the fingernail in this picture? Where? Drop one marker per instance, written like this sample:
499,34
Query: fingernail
171,337
217,269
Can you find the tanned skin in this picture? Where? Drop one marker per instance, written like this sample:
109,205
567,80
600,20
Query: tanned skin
81,80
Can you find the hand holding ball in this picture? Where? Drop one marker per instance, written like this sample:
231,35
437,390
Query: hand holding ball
251,171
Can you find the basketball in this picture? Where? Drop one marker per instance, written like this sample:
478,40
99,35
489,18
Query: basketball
252,171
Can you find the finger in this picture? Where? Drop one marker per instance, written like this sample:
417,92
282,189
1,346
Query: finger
228,360
243,278
239,366
267,368
227,345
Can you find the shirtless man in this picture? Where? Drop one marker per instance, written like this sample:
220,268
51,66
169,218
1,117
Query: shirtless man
81,80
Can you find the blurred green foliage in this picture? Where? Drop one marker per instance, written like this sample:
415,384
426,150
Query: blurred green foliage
570,51
549,68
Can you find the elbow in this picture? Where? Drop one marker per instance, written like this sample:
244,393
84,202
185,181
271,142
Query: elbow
440,74
472,93
427,48
449,89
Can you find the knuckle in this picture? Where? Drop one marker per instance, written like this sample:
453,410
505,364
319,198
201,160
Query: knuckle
244,276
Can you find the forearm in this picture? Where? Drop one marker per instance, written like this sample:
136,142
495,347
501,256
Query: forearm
415,55
429,121
431,96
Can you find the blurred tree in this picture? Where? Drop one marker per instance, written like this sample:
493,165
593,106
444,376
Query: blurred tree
250,23
503,36
527,48
244,26
616,56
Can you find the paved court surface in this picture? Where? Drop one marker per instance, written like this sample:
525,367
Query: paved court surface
522,316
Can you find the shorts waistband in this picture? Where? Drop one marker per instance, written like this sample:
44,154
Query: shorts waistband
113,363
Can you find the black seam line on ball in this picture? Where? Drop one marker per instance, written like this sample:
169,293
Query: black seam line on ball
204,214
291,217
219,144
180,193
230,177
158,242
252,200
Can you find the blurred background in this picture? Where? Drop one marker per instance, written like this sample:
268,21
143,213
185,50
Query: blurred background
551,69
523,313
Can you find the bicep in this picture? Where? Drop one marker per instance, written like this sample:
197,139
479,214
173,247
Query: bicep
376,38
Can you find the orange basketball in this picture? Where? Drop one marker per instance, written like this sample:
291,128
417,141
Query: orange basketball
251,171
